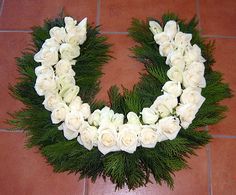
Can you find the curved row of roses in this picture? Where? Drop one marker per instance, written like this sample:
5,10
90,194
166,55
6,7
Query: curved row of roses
103,128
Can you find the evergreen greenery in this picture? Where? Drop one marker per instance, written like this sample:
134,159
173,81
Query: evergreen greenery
122,168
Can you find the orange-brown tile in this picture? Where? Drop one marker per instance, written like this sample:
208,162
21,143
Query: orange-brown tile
217,17
12,44
223,166
189,181
23,14
225,56
123,70
26,172
116,15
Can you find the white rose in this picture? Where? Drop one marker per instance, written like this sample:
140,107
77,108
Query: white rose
64,82
169,127
155,27
74,120
51,43
58,33
165,104
187,113
94,118
171,28
106,116
133,118
176,58
161,38
59,113
197,67
70,23
148,137
44,70
166,48
193,54
118,119
128,137
192,96
107,139
192,79
88,137
47,56
70,94
182,39
69,51
45,84
51,101
85,110
64,67
75,104
78,34
149,116
173,88
68,133
175,74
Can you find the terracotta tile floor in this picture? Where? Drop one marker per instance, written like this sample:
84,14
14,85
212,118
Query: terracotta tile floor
25,172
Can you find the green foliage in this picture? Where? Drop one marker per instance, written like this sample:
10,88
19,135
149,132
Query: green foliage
122,168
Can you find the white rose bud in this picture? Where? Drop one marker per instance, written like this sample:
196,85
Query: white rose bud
45,84
197,67
193,54
107,139
133,118
59,113
88,137
161,38
44,70
94,118
192,79
68,133
51,43
69,51
74,120
166,48
128,137
64,67
182,39
165,104
118,119
149,116
171,28
47,56
169,127
75,104
70,23
106,116
173,88
176,58
58,33
175,74
187,113
70,94
148,137
51,101
155,27
85,110
64,82
192,96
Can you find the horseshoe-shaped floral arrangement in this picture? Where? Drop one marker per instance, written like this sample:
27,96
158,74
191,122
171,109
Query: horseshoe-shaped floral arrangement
142,129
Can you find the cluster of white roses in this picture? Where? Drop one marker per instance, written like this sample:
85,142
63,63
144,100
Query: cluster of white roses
104,128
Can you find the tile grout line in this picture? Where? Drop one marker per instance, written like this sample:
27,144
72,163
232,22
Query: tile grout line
11,131
1,8
7,31
209,169
197,4
98,12
219,36
114,33
85,192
